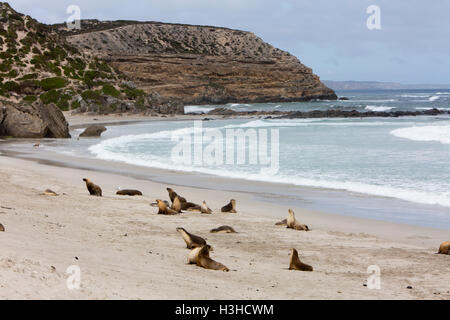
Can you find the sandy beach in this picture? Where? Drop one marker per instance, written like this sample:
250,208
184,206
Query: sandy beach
125,250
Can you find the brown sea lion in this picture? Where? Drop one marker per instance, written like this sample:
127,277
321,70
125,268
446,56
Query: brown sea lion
129,192
204,261
155,204
230,207
294,224
282,223
49,192
173,194
444,248
204,208
176,204
223,229
2,228
296,264
164,209
192,241
37,145
193,254
94,190
185,205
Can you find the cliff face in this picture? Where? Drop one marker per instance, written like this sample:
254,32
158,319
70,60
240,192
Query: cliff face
199,64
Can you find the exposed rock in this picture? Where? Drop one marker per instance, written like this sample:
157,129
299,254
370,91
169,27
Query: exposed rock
198,64
93,131
33,121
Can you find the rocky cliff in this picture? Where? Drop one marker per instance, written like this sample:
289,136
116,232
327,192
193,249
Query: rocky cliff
198,64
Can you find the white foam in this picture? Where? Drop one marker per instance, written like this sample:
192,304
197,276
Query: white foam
425,133
433,98
197,109
379,108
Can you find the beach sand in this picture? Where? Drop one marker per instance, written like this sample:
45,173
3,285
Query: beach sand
125,250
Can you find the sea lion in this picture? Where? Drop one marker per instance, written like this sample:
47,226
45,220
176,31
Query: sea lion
204,261
94,190
155,204
185,205
444,248
192,241
164,209
193,254
173,194
129,192
37,145
282,223
2,228
204,208
223,229
49,192
294,224
296,264
230,207
176,204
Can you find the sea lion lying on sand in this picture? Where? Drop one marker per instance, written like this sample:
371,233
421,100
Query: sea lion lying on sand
223,229
129,192
192,241
49,192
155,204
294,224
296,264
94,190
230,207
444,248
2,228
164,209
204,261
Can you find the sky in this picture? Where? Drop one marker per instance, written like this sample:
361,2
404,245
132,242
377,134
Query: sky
412,45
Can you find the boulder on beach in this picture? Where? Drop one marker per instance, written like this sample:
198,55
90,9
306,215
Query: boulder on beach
33,121
93,131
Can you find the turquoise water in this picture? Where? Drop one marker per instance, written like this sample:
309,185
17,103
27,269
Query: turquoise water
404,161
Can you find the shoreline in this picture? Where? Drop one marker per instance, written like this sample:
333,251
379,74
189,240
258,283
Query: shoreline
136,254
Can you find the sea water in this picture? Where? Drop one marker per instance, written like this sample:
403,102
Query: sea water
394,169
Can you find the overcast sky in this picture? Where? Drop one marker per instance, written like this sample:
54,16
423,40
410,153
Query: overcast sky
330,36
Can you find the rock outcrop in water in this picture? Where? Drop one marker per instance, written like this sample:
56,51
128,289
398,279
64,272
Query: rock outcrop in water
198,64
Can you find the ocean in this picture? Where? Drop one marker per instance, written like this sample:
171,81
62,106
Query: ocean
394,169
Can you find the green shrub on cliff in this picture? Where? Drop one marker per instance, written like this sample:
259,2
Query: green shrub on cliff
52,83
109,90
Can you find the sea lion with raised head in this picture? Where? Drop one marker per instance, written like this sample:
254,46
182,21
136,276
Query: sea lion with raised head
223,229
176,204
282,223
185,205
129,192
192,241
204,208
204,261
193,254
292,223
94,190
164,209
296,264
230,207
444,248
2,228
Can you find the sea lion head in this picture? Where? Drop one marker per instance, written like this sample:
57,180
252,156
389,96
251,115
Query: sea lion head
169,190
86,180
179,229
